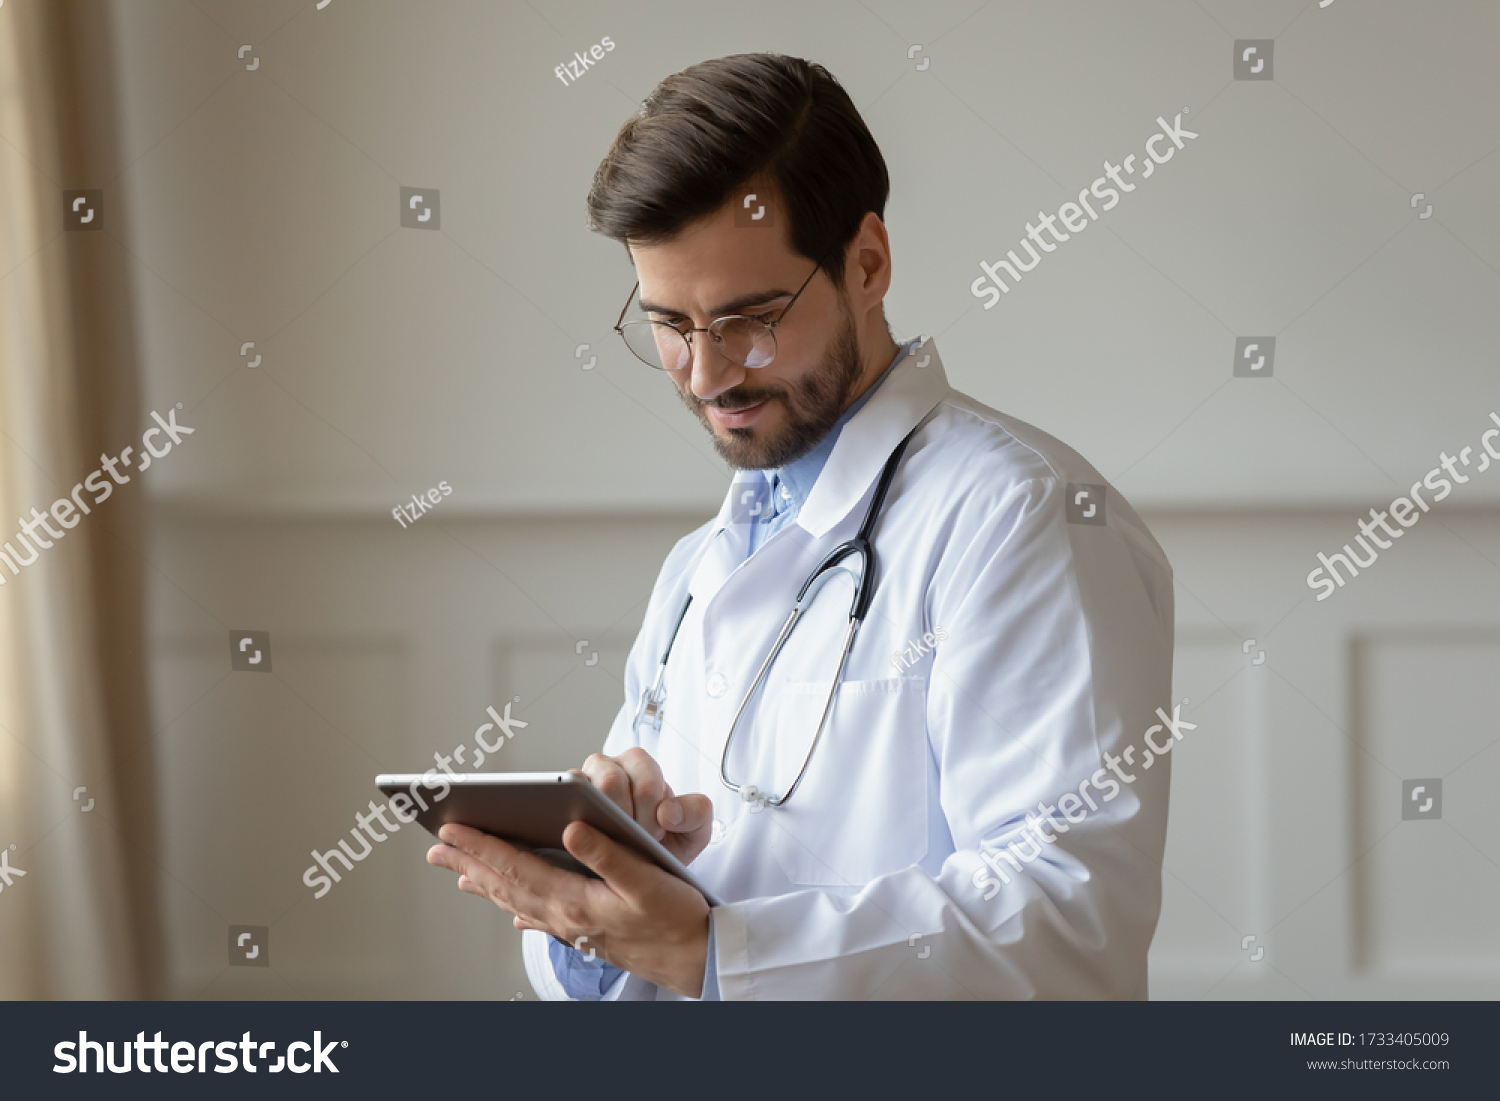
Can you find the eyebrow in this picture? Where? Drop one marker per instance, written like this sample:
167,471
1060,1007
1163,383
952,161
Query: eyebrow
734,305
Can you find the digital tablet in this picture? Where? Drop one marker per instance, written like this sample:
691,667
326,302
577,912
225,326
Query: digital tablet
531,810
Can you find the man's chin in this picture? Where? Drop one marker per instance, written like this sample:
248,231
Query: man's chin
739,450
745,448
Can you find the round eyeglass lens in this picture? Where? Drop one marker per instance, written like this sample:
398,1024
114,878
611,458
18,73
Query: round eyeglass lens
743,341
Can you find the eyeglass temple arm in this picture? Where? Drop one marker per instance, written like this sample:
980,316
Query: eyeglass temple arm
619,320
785,309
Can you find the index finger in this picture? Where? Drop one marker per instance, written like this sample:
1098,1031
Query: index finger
606,774
648,788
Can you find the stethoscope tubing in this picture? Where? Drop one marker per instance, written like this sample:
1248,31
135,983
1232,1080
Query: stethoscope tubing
861,545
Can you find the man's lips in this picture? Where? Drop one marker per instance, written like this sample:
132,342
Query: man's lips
738,418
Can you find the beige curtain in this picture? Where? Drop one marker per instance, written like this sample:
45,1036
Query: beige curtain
82,922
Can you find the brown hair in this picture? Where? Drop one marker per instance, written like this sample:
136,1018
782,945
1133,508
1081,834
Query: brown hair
778,122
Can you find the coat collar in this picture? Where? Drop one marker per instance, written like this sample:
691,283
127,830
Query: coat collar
914,388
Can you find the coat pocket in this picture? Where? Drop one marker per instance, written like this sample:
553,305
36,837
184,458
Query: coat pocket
861,808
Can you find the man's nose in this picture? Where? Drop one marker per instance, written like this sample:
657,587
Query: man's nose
712,373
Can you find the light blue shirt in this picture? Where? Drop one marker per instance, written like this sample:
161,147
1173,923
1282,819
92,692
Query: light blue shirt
589,980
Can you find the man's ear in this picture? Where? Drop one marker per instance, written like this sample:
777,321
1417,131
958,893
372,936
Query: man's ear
868,265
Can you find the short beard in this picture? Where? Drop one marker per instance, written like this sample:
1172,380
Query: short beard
813,404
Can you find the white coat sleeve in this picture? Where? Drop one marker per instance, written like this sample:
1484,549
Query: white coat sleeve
539,967
1059,649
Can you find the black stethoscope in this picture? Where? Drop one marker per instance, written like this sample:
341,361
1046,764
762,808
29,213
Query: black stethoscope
653,699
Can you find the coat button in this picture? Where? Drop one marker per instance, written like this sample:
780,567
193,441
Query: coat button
718,684
717,833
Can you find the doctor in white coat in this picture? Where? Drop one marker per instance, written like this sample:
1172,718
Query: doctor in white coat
979,816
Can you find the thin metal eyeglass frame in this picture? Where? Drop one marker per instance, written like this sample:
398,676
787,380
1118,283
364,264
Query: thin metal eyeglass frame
687,336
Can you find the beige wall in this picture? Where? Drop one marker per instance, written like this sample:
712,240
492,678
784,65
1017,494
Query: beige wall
261,206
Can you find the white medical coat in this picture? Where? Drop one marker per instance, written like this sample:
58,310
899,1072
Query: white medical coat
1058,649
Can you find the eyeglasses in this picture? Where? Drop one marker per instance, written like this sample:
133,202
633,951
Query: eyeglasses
743,340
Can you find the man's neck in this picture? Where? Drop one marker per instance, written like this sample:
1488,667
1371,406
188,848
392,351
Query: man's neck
883,350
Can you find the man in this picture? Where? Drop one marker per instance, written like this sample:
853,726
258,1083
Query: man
961,824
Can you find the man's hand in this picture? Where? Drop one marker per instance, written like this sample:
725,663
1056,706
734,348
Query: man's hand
638,917
683,824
